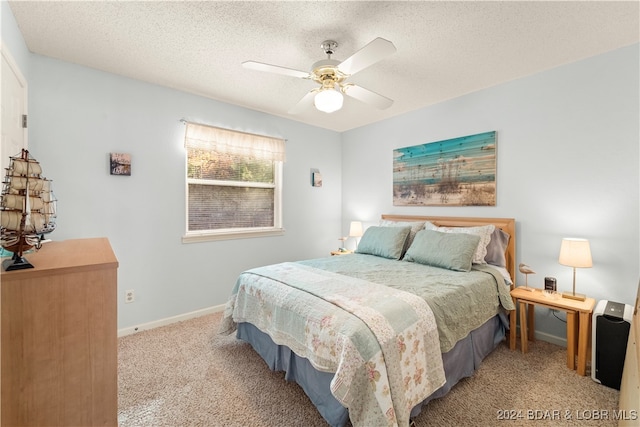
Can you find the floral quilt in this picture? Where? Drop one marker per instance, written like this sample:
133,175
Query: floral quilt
382,343
460,301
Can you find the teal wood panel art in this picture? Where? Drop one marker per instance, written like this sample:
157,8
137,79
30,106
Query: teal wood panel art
454,172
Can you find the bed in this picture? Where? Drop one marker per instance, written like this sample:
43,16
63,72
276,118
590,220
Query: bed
372,337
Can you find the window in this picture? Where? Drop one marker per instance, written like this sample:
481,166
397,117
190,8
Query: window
234,184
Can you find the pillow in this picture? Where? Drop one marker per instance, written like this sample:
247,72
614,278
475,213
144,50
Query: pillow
484,231
387,242
415,227
497,247
453,251
505,274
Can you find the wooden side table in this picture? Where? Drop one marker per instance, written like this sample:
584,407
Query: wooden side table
341,252
578,323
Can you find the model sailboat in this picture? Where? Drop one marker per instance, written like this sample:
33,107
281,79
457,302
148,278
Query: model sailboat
27,209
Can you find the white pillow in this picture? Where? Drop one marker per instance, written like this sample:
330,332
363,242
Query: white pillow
484,231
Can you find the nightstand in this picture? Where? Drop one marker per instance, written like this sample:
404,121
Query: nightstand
341,252
578,322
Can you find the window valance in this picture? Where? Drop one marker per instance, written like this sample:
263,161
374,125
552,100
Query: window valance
234,142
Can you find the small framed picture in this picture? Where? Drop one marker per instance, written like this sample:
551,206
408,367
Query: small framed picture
120,164
317,179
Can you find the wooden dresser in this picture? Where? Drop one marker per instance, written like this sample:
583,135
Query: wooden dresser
58,347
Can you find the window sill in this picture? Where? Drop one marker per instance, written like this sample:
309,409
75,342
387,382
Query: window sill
231,235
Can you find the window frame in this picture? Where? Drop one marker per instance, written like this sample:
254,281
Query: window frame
236,233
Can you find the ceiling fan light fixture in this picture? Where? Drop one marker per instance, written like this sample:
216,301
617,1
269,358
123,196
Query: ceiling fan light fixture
328,100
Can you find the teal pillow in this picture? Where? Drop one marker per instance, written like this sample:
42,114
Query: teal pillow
415,227
453,251
387,242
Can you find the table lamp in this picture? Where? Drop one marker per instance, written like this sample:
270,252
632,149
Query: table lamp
343,239
355,230
575,253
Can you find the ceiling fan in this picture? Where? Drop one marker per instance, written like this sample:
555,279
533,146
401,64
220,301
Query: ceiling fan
331,74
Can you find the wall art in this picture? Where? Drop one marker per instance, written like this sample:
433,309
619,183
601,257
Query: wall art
453,172
120,163
316,178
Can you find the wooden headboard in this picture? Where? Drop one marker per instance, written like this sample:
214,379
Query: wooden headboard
507,225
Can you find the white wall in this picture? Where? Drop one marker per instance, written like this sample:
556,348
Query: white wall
79,115
12,39
568,162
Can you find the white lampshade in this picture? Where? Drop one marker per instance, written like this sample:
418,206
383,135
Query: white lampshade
575,253
355,230
328,100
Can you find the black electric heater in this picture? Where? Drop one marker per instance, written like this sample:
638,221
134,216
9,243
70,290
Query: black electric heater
610,331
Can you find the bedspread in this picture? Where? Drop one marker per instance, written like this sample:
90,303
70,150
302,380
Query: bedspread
460,301
382,343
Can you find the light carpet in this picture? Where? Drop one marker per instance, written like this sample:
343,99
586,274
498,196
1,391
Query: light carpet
186,374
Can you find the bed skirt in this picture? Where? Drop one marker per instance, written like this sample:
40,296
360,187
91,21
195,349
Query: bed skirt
460,362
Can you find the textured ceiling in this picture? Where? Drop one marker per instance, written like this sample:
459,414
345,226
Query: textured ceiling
444,49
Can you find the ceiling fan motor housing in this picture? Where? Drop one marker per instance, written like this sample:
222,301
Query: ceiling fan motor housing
326,72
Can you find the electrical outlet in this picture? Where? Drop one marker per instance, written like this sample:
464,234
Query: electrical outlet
129,296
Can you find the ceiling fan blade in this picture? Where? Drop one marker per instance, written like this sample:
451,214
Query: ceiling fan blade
375,51
304,103
259,66
367,96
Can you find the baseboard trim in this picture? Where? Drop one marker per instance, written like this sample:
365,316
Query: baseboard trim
553,339
543,336
169,320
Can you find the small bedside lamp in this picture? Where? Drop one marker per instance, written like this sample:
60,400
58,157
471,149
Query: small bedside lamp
355,230
575,253
342,248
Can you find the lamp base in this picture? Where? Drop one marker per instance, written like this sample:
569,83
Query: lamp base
571,295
